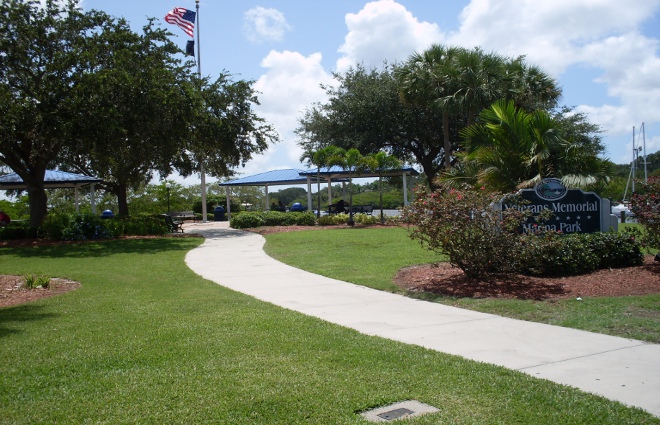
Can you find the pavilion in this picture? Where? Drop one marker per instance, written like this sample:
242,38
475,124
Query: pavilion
54,179
292,177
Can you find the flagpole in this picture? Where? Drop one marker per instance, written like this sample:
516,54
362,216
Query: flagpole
201,160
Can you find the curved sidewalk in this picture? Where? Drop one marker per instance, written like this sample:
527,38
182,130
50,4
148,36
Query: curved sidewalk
620,369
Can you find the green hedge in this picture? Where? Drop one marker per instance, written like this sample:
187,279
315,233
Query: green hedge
553,254
246,220
76,227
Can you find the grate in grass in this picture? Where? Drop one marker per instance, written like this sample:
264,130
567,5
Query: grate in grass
401,410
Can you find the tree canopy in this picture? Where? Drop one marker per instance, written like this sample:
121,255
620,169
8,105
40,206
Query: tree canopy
42,61
416,110
82,91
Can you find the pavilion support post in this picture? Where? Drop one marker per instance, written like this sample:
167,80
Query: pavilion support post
405,191
309,193
267,203
228,193
329,190
75,197
92,198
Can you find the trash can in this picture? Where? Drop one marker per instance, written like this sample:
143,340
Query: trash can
219,213
297,207
107,214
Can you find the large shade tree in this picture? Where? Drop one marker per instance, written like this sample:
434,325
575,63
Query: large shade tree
225,131
366,111
41,61
134,102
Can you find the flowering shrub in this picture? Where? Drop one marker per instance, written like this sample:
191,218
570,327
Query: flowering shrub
467,227
645,204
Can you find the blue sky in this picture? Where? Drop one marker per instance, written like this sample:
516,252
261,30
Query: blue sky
604,53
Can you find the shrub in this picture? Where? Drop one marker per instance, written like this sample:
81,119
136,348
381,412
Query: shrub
464,226
645,204
616,250
246,220
303,218
75,227
553,254
139,225
15,231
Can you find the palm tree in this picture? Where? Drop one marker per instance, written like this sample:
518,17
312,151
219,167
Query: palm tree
476,81
511,148
352,161
425,78
320,159
380,162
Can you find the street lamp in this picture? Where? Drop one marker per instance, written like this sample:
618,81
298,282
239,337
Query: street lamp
167,186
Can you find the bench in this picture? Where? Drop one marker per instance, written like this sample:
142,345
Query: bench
356,209
173,225
183,215
362,209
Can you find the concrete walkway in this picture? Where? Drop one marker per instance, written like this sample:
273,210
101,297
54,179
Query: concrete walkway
620,369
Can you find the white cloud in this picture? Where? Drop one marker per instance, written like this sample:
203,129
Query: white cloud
263,25
291,84
384,31
602,34
551,34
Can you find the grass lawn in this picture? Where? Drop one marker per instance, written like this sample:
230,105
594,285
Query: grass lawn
145,340
371,257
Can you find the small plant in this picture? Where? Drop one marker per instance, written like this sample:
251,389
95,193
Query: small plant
43,281
32,281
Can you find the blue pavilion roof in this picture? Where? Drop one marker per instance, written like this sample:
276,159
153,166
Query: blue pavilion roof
276,177
53,179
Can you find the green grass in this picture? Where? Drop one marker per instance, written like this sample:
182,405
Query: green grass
145,340
368,257
371,257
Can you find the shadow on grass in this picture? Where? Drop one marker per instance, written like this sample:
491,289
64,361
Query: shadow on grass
21,313
101,248
131,245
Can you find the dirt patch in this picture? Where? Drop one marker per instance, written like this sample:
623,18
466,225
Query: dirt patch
445,279
14,292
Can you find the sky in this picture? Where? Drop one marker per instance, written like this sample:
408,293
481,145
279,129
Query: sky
603,53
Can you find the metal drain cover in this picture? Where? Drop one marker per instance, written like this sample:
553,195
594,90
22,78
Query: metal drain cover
395,414
401,410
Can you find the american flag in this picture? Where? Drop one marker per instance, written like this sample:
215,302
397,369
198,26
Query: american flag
182,18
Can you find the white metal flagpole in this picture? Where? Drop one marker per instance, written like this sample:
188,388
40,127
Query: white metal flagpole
201,160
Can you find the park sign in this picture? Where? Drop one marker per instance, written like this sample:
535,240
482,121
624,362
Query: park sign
573,210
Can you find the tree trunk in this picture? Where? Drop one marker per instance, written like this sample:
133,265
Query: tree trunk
445,133
122,203
38,201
